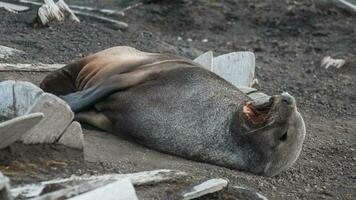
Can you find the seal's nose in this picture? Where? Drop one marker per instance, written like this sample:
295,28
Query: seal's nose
287,98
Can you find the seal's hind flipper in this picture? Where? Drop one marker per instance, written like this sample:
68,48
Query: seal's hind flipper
96,119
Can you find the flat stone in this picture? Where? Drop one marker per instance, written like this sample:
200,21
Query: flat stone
247,90
26,95
205,60
246,193
6,100
12,6
238,68
118,190
207,187
5,193
73,136
259,97
6,52
13,129
58,117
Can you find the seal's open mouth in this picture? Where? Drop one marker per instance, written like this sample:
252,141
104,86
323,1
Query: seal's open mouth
257,113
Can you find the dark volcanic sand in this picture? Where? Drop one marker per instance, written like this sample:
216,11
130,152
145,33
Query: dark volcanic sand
289,39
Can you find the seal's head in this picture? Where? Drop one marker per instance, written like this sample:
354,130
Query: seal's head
272,131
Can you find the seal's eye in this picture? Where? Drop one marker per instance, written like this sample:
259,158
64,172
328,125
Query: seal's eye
283,137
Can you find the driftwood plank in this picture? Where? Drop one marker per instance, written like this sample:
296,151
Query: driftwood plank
118,190
139,178
13,7
39,67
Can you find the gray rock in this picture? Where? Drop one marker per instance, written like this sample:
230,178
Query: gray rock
73,136
26,94
58,116
5,193
6,100
13,129
6,52
205,60
238,68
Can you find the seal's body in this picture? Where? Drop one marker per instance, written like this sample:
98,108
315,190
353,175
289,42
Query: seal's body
173,105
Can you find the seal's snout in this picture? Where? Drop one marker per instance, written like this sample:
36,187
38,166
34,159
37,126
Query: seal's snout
287,99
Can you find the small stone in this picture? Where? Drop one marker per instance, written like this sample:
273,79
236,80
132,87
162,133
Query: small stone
179,38
58,117
190,40
5,193
6,52
73,136
207,187
13,129
205,40
205,60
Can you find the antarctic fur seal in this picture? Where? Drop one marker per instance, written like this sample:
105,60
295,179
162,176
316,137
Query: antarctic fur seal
173,105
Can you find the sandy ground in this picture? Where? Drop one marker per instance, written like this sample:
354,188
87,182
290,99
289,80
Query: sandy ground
289,39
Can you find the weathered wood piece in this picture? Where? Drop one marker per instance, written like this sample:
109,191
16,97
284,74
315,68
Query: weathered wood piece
205,60
6,52
207,187
13,7
104,11
73,136
49,12
13,129
67,11
116,23
139,178
246,193
36,67
5,193
58,117
118,190
238,68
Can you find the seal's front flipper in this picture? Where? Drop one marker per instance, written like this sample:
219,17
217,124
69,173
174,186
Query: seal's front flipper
83,99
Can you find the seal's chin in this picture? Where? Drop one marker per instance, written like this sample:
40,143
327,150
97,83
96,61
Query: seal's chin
258,114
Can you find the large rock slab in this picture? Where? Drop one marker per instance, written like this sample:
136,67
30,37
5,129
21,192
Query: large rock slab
6,100
205,60
58,117
73,136
238,68
13,7
13,129
25,95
